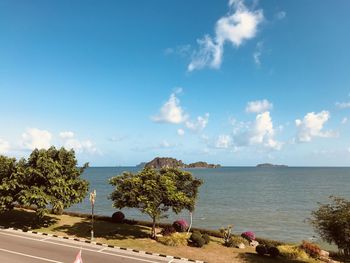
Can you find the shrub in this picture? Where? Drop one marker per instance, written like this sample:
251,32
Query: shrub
180,225
174,240
269,242
234,241
249,235
168,230
273,251
292,252
261,250
118,217
310,248
197,240
206,238
226,235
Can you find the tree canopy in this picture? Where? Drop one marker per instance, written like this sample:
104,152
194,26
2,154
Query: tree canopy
332,222
154,192
49,178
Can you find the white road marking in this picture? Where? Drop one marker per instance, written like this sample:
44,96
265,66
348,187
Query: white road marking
87,249
30,256
171,261
46,238
101,249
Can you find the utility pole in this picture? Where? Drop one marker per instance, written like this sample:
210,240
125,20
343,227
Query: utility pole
92,201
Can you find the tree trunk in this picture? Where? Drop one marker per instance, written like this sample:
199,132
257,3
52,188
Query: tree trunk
153,234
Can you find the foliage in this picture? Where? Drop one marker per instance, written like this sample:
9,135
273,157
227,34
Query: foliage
292,252
261,250
269,242
154,192
206,238
168,230
226,235
273,251
249,235
118,217
174,240
197,240
312,249
11,174
332,222
180,225
234,241
52,178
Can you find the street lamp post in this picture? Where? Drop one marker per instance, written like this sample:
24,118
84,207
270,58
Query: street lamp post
92,201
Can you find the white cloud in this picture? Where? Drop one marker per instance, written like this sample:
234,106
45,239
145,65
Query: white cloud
85,146
4,146
281,15
199,124
342,105
238,25
66,135
223,141
258,106
35,138
263,132
312,126
171,112
166,144
344,120
257,53
180,132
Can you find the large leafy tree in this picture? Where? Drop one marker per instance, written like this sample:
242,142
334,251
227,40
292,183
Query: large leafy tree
11,176
332,222
52,179
154,192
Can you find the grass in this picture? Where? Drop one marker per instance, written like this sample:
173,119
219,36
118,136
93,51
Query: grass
130,236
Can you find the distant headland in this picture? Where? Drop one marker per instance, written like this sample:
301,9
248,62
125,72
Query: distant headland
168,162
270,165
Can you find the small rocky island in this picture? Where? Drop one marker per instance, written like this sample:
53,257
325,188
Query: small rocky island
168,162
270,165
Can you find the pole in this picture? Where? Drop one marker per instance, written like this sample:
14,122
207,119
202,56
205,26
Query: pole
92,201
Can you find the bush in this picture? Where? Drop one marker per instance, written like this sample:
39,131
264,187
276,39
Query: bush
180,225
273,251
261,250
197,240
206,238
310,248
118,217
331,221
249,235
234,241
292,252
168,230
226,235
174,240
269,242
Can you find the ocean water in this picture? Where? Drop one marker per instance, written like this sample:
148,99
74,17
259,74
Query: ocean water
273,202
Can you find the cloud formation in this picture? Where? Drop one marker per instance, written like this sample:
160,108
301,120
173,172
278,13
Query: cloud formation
4,146
239,25
199,124
171,111
257,53
79,146
342,105
223,141
258,106
312,126
180,132
35,138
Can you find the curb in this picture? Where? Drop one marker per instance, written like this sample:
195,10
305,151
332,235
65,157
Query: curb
101,244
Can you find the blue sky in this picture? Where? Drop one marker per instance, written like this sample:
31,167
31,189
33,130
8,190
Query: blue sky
230,82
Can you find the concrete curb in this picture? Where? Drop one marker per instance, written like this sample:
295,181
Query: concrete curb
101,244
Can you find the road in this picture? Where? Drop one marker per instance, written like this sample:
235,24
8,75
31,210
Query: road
22,247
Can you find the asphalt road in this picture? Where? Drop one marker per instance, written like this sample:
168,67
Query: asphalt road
21,247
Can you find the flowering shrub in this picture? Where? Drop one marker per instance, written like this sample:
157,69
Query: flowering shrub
312,249
249,235
118,217
180,225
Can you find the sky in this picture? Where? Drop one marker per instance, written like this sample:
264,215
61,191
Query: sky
233,82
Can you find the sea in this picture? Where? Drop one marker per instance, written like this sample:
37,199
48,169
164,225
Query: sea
275,203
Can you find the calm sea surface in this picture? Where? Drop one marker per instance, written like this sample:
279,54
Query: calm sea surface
272,202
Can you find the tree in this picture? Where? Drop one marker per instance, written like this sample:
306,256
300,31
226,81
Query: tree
11,174
154,192
332,222
52,179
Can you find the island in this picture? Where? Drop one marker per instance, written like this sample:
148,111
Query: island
270,165
168,162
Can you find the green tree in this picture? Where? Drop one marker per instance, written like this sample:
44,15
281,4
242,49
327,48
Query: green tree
332,222
11,174
52,179
154,192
